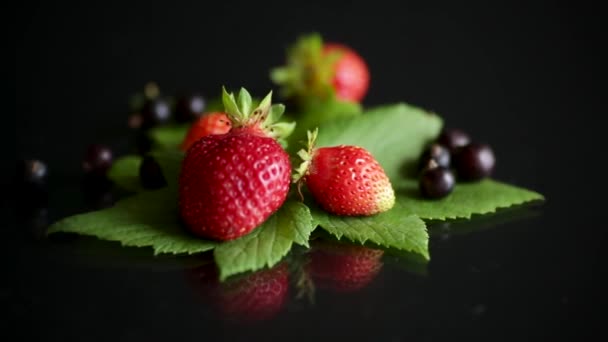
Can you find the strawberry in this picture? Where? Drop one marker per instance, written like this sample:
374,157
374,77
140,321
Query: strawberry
322,70
229,184
343,267
210,123
345,180
255,296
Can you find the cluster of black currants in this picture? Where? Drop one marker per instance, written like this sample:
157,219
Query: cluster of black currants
453,156
151,109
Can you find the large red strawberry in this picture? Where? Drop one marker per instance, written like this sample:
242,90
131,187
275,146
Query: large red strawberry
210,123
345,180
231,183
320,70
343,267
255,296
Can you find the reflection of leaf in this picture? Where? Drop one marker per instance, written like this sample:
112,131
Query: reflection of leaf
467,199
407,261
267,244
125,173
148,219
480,223
394,134
393,229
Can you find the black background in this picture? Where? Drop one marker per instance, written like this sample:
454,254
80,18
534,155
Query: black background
523,77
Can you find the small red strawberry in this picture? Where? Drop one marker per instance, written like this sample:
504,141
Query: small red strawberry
345,180
231,183
320,70
343,267
255,296
210,123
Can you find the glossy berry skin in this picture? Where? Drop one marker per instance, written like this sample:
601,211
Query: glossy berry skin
453,139
229,184
350,73
436,182
97,160
155,112
190,108
32,171
347,180
344,268
256,296
437,153
474,162
211,123
150,174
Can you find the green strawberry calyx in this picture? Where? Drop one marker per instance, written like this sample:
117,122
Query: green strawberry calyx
308,72
306,155
263,118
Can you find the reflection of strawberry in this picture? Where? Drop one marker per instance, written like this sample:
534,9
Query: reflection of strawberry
344,267
256,296
320,70
211,123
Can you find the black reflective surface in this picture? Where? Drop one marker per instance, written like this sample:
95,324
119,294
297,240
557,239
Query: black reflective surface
524,79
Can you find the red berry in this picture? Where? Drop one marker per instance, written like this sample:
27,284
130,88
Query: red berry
255,296
347,180
318,70
350,73
211,123
231,183
344,267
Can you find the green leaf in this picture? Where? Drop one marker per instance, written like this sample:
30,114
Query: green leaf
125,173
168,137
148,219
267,244
394,134
467,199
244,101
392,229
170,162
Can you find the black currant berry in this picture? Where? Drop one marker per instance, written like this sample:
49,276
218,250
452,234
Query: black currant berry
436,152
155,112
32,171
474,162
453,139
436,181
190,108
150,174
97,160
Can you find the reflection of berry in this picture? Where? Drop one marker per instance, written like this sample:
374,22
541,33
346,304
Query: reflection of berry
211,123
256,296
344,267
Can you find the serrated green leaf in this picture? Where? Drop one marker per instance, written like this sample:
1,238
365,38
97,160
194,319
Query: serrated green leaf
148,219
170,162
467,199
125,173
168,137
394,134
267,244
392,229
